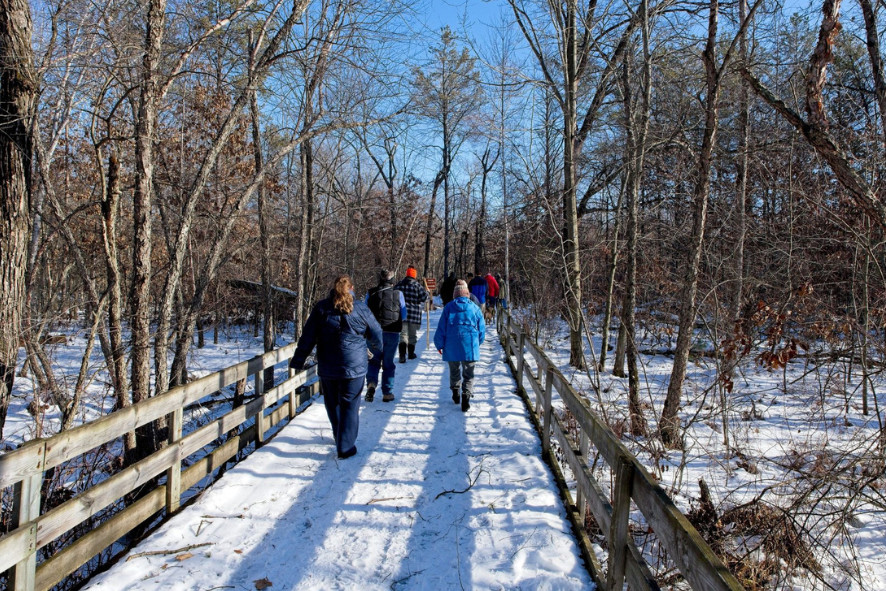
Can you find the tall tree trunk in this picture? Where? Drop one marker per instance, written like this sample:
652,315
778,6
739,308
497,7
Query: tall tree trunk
610,283
570,213
304,245
671,434
637,129
390,150
447,155
110,208
269,332
438,180
142,199
18,91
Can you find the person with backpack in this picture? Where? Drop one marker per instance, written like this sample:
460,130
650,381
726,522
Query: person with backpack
460,332
340,328
389,307
416,295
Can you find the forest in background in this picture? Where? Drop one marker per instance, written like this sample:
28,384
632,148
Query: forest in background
705,172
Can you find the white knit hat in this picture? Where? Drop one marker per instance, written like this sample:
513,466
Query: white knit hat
461,289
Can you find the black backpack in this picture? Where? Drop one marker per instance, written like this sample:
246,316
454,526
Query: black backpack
384,302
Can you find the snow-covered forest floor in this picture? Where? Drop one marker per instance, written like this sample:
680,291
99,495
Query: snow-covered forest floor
803,472
803,469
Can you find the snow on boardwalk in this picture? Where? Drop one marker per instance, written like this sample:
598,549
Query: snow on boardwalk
435,499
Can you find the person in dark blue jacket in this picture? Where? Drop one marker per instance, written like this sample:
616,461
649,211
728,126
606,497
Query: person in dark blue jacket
460,332
340,328
478,287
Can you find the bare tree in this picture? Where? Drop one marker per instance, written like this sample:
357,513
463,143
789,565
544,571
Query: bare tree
669,424
448,93
18,90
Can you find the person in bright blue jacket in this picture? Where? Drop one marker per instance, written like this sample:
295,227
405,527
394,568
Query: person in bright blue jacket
341,329
460,332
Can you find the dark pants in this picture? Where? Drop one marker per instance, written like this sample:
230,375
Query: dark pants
461,376
385,361
342,400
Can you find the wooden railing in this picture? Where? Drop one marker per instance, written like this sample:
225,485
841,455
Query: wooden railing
24,468
698,564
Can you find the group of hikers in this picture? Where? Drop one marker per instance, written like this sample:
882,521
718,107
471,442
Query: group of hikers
386,322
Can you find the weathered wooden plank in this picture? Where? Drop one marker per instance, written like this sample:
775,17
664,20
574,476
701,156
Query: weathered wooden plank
19,544
695,559
25,510
594,495
56,568
537,388
74,442
53,570
547,413
618,529
173,473
75,511
19,463
15,546
71,513
599,433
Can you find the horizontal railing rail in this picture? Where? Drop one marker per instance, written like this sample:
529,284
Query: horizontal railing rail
697,563
24,468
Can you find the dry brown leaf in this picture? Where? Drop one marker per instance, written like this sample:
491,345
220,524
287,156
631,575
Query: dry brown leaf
262,584
184,556
238,551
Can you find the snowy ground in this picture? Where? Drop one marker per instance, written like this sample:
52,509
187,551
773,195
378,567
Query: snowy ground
798,442
435,499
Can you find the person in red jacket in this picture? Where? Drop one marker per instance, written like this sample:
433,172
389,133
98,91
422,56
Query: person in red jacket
492,291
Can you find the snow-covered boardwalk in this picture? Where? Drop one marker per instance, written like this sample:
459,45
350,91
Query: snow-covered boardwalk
435,499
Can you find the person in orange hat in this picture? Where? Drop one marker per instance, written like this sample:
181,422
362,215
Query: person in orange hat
416,295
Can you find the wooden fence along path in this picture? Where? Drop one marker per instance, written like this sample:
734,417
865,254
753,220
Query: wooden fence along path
24,468
213,444
633,485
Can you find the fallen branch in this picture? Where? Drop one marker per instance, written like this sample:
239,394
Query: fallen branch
458,492
163,552
387,499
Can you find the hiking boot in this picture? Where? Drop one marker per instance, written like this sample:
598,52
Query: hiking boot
370,393
387,397
402,350
455,395
411,349
465,401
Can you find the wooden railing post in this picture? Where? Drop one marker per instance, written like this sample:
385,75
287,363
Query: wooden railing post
260,417
520,343
583,445
174,472
618,530
547,411
26,507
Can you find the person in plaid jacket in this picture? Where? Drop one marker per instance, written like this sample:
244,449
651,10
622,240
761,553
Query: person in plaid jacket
416,295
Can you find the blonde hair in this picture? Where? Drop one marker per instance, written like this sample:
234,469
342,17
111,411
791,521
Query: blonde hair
342,300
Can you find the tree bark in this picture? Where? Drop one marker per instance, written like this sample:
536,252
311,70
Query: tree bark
140,299
438,180
18,91
570,214
637,129
269,332
669,426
